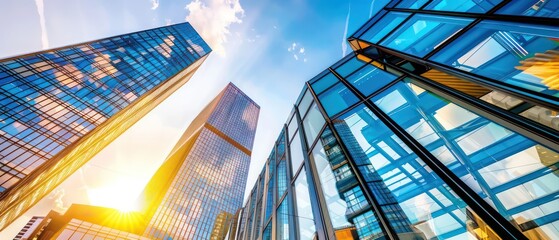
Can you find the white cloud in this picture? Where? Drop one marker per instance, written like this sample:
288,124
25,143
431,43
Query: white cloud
41,10
298,51
344,40
371,9
154,4
212,19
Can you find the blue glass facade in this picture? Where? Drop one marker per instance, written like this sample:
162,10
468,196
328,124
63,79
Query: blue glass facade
59,107
442,124
205,175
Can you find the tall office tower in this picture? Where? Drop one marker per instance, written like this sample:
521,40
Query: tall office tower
59,107
202,181
442,124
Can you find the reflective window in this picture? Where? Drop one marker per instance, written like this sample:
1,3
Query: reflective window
473,6
337,207
350,66
389,22
282,179
292,126
337,99
411,4
267,234
416,201
304,216
513,53
282,220
511,172
296,153
423,33
537,8
543,115
305,103
269,199
313,123
325,82
370,79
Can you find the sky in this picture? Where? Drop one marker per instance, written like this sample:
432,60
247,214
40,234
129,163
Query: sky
268,48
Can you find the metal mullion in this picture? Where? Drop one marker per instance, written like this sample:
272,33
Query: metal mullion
488,214
518,92
389,5
483,16
386,228
321,222
149,60
181,55
543,133
178,35
395,28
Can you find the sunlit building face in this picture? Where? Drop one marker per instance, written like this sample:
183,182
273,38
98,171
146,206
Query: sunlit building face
59,107
201,184
441,125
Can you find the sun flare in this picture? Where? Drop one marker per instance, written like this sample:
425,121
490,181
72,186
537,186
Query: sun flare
121,195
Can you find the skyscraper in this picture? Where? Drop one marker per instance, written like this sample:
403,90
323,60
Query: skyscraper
442,124
201,183
59,107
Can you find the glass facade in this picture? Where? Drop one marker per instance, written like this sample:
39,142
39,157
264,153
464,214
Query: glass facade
60,107
211,175
442,124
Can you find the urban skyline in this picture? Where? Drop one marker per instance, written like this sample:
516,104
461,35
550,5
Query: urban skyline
485,94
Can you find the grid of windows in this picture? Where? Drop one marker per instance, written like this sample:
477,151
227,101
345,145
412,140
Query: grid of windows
52,99
81,230
442,124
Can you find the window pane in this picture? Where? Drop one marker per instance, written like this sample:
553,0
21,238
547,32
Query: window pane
473,6
348,67
511,172
384,26
269,199
267,235
337,99
282,179
412,195
324,83
370,79
423,33
411,4
292,125
282,223
539,8
304,214
305,103
312,123
296,153
517,54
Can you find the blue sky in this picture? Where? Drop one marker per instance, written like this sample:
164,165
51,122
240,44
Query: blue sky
268,48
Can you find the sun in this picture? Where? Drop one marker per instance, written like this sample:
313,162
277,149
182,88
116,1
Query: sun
121,195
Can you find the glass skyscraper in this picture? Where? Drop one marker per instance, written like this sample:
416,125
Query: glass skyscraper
201,183
59,107
442,124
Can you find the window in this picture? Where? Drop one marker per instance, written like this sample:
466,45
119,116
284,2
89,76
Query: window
282,217
337,99
304,216
423,33
369,79
389,22
511,172
506,52
537,8
473,6
323,83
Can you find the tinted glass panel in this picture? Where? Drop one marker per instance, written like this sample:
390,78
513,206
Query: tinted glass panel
513,173
384,26
324,83
337,99
517,54
304,214
539,8
423,33
282,223
305,103
411,4
370,79
474,6
348,67
312,123
296,153
282,179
